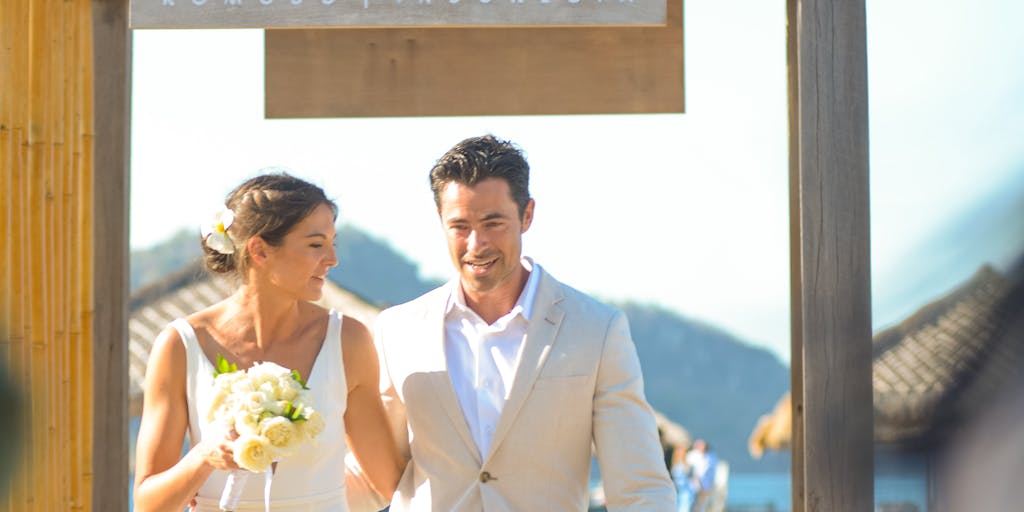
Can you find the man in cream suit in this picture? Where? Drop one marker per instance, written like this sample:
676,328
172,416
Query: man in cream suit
499,382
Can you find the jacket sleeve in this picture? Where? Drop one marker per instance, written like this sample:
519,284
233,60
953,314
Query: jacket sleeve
625,435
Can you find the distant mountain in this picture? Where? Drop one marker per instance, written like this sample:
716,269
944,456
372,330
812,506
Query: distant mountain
152,264
699,376
707,380
373,270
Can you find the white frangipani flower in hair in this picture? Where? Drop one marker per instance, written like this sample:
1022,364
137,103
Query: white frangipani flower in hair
215,232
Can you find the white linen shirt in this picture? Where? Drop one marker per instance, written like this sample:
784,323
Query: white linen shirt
482,359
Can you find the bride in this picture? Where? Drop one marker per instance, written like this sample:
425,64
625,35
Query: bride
277,239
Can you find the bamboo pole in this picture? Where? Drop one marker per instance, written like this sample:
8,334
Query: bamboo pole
46,259
12,18
19,82
37,137
38,388
7,149
52,258
68,199
84,238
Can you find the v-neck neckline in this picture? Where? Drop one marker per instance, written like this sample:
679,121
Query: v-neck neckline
316,361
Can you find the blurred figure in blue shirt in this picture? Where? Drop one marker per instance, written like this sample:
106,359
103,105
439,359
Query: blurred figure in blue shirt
694,476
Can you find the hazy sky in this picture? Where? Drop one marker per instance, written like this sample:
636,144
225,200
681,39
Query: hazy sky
687,211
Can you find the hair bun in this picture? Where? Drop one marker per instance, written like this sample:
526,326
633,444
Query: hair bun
217,262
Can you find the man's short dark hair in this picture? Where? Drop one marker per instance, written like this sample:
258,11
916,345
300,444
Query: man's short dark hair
479,158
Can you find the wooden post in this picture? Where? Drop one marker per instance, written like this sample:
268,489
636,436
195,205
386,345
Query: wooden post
112,66
830,251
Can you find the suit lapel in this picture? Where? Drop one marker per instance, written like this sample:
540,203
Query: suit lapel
434,362
544,323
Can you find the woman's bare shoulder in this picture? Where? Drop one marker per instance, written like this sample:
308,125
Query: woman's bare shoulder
358,351
165,369
355,332
207,316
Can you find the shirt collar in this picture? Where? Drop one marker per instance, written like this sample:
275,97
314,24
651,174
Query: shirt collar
524,305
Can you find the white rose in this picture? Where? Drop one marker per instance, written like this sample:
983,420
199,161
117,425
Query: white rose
243,384
270,389
280,431
276,408
216,415
219,399
288,388
221,385
267,370
313,425
246,423
253,453
254,402
260,379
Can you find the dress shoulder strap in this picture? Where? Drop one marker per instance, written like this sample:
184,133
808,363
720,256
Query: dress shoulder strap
332,351
195,364
334,328
187,333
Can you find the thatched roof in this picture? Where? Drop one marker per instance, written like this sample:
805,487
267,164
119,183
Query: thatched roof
773,430
189,290
942,362
936,367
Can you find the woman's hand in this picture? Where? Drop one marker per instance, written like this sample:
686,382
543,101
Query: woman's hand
218,453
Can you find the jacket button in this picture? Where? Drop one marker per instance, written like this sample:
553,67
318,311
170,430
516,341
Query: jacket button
486,477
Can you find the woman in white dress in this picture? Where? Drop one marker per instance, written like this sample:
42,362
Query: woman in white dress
279,244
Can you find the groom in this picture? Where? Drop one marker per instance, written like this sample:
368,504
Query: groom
501,381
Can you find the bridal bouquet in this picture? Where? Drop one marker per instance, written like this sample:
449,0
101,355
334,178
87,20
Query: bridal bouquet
269,408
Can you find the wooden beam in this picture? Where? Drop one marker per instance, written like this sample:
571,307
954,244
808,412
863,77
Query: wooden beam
391,13
112,86
475,71
831,279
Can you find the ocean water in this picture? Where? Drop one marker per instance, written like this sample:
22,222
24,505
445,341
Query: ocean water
772,491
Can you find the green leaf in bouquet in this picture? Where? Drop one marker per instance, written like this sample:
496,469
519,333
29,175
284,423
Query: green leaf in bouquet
298,378
293,413
223,366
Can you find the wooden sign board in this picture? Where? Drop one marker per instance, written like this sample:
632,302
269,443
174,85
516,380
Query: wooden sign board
475,71
391,13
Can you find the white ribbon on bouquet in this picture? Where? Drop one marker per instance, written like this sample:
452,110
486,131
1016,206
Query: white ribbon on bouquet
236,484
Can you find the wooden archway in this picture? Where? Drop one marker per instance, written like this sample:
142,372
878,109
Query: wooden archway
829,241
